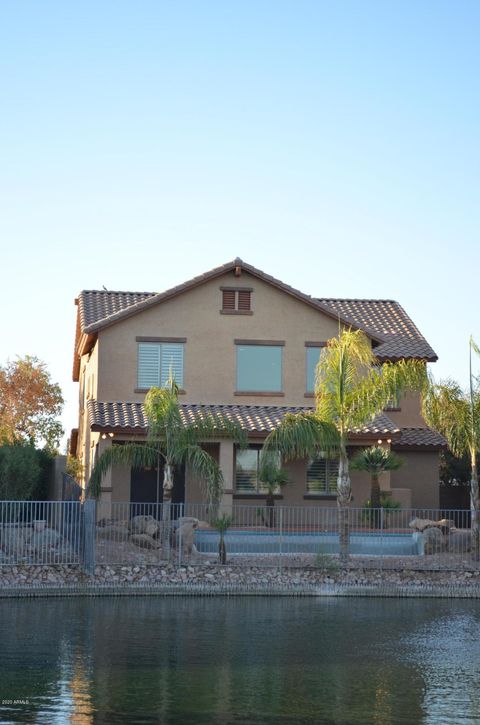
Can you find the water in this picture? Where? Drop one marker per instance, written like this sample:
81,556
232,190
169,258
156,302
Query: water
245,542
245,660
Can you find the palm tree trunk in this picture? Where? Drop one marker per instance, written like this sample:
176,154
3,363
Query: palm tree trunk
222,549
270,503
167,508
375,500
475,509
344,494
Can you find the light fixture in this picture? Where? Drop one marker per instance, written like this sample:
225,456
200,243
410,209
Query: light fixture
111,435
379,441
389,440
104,435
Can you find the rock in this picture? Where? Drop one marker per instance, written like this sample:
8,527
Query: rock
460,541
41,541
144,525
433,541
186,537
113,531
14,539
144,541
445,525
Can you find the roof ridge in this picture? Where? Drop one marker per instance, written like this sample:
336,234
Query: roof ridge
357,299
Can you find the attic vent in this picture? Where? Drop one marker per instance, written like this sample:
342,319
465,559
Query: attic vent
236,301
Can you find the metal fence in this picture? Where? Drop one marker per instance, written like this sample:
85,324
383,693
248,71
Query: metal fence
282,536
132,534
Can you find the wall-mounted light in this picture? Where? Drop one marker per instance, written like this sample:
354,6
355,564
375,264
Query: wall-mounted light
104,435
379,441
111,435
389,440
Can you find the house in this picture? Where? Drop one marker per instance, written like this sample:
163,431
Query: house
243,343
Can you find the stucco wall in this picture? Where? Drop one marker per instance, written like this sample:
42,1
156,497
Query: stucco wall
419,474
210,354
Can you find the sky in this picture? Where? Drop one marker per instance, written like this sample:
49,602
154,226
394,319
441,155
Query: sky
333,145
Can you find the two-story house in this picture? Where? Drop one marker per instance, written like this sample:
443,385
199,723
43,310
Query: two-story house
244,343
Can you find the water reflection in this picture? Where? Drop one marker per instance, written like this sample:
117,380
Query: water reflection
249,660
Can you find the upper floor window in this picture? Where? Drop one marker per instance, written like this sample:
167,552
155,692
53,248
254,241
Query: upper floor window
314,351
236,300
259,366
157,361
322,474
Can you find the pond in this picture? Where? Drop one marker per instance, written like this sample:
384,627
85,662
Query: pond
240,660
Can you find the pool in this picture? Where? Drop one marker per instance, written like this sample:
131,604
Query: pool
267,542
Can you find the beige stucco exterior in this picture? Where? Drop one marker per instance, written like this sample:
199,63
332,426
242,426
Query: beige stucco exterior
109,373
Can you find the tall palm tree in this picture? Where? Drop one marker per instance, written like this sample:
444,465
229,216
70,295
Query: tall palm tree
375,461
175,443
455,413
350,390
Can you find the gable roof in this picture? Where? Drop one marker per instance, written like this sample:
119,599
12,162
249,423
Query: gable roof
384,321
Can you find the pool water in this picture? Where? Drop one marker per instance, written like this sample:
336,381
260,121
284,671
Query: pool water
341,661
260,542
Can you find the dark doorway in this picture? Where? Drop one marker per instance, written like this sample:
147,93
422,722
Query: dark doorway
146,490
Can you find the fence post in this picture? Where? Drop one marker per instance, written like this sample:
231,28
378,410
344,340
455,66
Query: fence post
280,539
89,526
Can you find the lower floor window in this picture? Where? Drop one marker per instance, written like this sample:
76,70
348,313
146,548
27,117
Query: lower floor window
247,472
322,474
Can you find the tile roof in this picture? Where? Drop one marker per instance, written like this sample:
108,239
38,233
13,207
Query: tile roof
420,437
252,418
402,339
385,321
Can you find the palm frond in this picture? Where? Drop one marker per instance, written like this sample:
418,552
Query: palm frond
376,460
135,455
302,435
206,469
447,409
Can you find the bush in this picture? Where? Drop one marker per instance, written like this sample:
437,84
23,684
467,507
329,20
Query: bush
24,472
373,516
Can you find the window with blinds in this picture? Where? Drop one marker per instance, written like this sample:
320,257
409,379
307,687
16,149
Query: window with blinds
236,300
322,474
247,464
157,361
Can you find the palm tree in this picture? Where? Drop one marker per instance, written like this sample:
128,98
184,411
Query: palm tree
274,477
174,442
351,389
375,461
222,524
455,413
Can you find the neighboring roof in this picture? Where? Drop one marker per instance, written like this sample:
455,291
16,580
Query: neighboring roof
402,338
420,438
259,419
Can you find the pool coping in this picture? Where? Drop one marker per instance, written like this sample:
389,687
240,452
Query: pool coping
384,590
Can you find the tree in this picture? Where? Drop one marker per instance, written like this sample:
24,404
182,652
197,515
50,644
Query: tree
222,524
375,461
174,442
455,413
30,404
351,389
274,477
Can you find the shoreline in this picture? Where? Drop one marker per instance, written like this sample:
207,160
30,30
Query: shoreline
67,581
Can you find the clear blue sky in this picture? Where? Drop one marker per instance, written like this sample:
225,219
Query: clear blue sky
334,145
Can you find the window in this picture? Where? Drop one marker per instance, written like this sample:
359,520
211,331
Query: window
247,464
314,352
155,362
259,367
236,301
322,474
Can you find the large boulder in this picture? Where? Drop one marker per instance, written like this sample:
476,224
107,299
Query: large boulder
45,541
116,531
433,541
460,541
14,540
144,541
186,536
144,525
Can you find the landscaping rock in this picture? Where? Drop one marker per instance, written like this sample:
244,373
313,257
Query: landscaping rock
433,541
144,541
114,531
144,525
186,537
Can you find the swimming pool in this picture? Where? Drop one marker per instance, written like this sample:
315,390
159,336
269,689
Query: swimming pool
267,542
